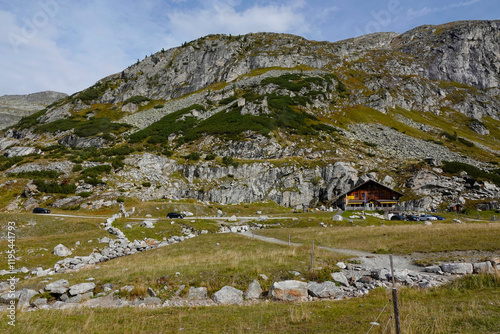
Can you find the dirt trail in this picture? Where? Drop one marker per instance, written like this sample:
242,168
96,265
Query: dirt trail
368,260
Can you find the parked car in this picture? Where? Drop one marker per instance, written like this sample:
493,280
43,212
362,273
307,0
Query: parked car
397,217
172,215
412,218
41,210
439,217
427,217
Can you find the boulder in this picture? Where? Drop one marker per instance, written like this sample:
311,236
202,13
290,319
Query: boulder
59,287
197,293
254,290
290,290
340,278
337,218
433,269
61,250
381,274
324,290
228,295
483,268
457,268
24,298
81,288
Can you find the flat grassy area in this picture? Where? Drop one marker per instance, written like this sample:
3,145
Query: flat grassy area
469,305
210,260
37,235
399,239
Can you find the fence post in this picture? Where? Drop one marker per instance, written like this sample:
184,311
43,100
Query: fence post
395,300
312,256
289,240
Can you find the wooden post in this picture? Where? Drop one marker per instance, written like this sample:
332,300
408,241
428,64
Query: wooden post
395,299
312,256
289,240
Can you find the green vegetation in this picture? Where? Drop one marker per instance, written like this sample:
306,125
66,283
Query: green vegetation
84,128
92,93
402,238
454,167
30,121
6,163
457,308
136,99
54,187
37,174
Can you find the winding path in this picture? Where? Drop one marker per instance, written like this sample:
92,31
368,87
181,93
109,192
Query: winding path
368,260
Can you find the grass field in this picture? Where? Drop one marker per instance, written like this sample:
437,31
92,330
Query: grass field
399,239
469,305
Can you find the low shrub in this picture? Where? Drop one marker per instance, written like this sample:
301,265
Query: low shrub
54,187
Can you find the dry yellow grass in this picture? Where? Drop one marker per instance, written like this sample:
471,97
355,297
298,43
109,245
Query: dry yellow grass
399,239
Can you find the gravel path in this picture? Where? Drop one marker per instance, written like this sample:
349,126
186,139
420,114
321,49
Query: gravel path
368,260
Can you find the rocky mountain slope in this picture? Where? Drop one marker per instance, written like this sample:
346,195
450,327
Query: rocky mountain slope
266,116
15,107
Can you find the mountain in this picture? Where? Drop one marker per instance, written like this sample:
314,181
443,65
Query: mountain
15,107
267,116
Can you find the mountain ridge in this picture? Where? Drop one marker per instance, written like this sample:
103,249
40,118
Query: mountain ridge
307,119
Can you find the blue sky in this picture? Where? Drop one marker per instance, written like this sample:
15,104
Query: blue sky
68,45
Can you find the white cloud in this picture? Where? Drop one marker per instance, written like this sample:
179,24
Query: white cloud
412,13
220,17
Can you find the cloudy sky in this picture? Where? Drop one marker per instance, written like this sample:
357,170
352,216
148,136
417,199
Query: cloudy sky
68,45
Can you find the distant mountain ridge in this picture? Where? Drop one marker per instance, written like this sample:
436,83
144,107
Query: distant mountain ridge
14,107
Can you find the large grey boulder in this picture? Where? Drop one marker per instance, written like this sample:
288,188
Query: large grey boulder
24,298
81,288
324,290
197,293
457,268
290,290
483,268
254,290
340,278
228,295
59,287
61,250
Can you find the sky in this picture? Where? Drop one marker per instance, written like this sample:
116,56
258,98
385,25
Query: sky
68,45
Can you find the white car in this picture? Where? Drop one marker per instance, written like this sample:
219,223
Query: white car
427,217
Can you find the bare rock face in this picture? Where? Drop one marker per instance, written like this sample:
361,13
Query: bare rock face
451,51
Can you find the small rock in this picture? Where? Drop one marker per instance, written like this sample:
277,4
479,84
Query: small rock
254,290
61,250
81,288
197,293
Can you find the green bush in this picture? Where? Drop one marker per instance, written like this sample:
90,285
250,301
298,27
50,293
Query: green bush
37,174
466,142
9,162
77,168
30,121
54,187
138,99
85,194
96,170
193,156
146,184
210,156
